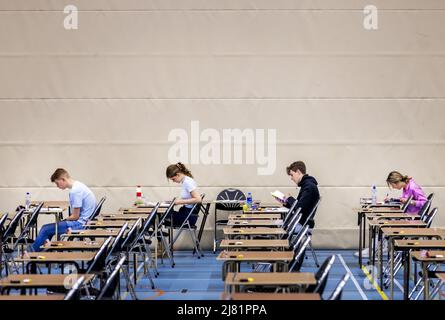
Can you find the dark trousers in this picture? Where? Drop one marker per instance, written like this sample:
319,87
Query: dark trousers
180,216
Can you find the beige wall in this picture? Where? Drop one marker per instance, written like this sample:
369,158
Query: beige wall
101,100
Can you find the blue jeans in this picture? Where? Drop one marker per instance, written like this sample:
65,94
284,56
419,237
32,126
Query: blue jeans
49,230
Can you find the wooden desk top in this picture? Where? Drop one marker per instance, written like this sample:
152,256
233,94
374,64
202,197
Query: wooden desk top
379,210
51,297
39,280
46,204
99,233
254,243
255,256
108,224
254,223
419,244
413,232
397,223
392,216
73,245
121,216
275,210
270,278
56,257
435,256
253,231
270,296
254,216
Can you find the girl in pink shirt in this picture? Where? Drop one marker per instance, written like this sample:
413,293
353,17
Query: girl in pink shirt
400,182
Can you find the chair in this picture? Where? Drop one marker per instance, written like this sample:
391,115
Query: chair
161,235
322,276
425,209
311,218
431,196
191,229
297,261
117,243
430,217
97,209
23,238
74,292
8,233
294,223
112,283
337,293
142,243
126,247
289,214
97,265
230,194
404,208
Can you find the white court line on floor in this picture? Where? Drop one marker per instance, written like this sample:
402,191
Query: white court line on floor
364,297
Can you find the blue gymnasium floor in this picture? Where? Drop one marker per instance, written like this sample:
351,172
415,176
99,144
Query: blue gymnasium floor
200,279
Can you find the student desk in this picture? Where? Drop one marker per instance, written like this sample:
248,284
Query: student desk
375,227
253,216
269,296
254,223
252,232
73,246
57,208
405,246
34,258
437,257
235,282
108,224
38,281
361,213
95,233
123,217
255,244
232,260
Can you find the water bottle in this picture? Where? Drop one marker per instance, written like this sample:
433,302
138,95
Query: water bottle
374,194
249,200
27,200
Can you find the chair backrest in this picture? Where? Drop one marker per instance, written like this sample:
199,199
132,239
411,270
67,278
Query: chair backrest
117,242
73,293
97,209
148,222
406,204
230,194
431,196
2,222
110,286
295,242
293,222
313,212
131,237
336,294
430,217
289,213
297,261
423,212
32,221
322,276
166,213
11,228
98,262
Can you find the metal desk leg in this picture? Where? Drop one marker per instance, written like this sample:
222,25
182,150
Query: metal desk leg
426,285
360,244
391,269
380,239
406,267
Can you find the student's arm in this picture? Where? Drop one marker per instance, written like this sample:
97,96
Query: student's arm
196,198
75,214
289,202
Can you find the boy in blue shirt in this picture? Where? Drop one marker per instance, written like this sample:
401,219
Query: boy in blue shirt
82,204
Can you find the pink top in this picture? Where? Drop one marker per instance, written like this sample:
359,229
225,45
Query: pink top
413,189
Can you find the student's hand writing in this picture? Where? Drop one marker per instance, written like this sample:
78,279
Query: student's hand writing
403,200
